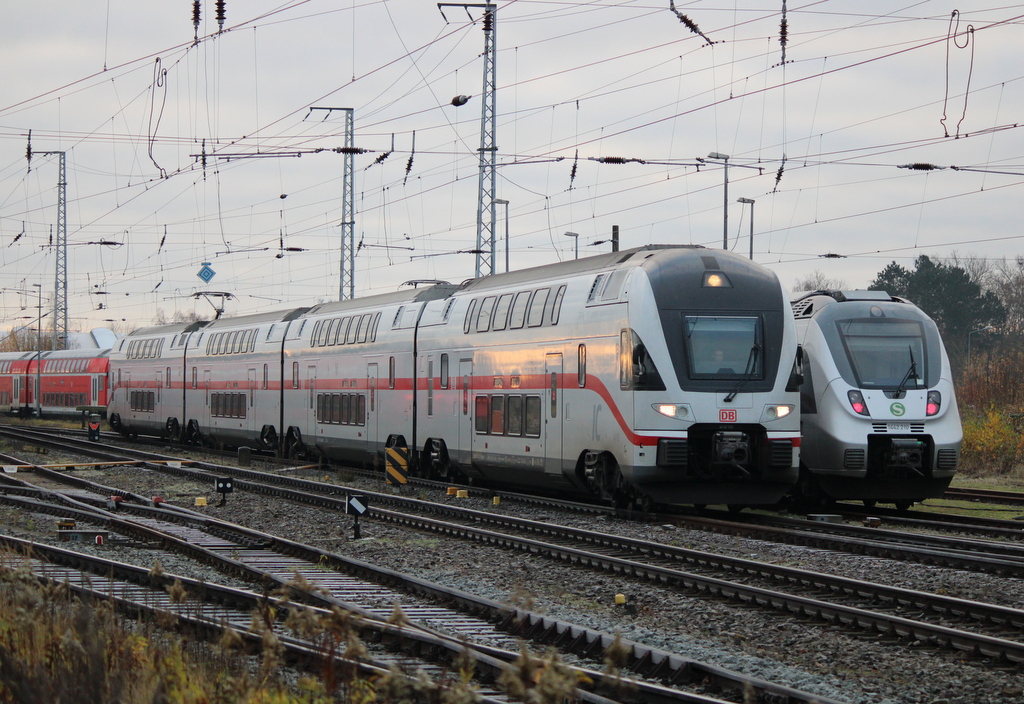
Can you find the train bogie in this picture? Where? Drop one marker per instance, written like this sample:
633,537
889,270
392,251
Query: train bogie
878,408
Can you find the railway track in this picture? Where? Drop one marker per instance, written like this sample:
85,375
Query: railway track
811,595
260,557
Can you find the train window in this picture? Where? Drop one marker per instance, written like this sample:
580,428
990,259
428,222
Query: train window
361,408
518,317
581,366
167,382
533,416
324,333
540,299
195,379
483,319
501,312
364,323
373,327
342,331
596,287
444,371
233,343
483,412
497,415
398,316
556,307
448,310
468,323
391,372
514,412
216,342
884,353
636,367
353,330
295,375
266,376
316,332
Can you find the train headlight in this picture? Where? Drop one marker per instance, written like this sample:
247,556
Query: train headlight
934,403
776,411
679,411
857,402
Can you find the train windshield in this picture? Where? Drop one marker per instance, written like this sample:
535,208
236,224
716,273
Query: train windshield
724,347
885,354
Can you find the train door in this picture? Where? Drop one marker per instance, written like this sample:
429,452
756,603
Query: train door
553,413
251,416
371,407
311,403
466,410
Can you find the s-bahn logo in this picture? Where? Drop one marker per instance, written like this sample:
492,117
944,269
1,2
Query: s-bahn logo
727,415
898,409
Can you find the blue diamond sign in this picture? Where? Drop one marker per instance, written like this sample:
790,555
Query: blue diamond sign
206,273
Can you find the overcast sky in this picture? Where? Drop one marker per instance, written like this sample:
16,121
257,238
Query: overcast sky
125,91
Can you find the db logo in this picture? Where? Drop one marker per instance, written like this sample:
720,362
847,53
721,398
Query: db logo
727,415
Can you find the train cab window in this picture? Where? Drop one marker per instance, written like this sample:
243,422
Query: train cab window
483,319
467,325
444,371
501,312
514,414
391,372
540,300
556,307
373,327
884,353
726,347
581,366
519,306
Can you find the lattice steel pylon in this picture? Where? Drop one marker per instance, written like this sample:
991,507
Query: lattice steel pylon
485,207
60,286
348,212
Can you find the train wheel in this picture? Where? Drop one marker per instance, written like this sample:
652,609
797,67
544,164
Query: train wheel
735,508
437,459
115,422
903,505
869,503
173,429
192,434
268,437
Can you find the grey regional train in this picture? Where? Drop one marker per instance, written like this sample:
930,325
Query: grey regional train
662,374
880,421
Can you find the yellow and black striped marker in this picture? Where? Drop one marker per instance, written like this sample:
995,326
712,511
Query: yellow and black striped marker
397,459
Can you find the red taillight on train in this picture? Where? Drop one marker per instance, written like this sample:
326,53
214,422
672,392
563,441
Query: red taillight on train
857,402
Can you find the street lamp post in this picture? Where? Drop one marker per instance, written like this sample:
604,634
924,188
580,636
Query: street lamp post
984,329
502,201
750,201
725,202
576,241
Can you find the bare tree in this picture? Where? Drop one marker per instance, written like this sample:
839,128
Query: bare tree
818,281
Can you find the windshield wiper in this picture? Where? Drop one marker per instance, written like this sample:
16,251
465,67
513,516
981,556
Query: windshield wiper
748,373
912,372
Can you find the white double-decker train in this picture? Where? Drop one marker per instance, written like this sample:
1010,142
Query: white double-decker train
661,374
880,421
